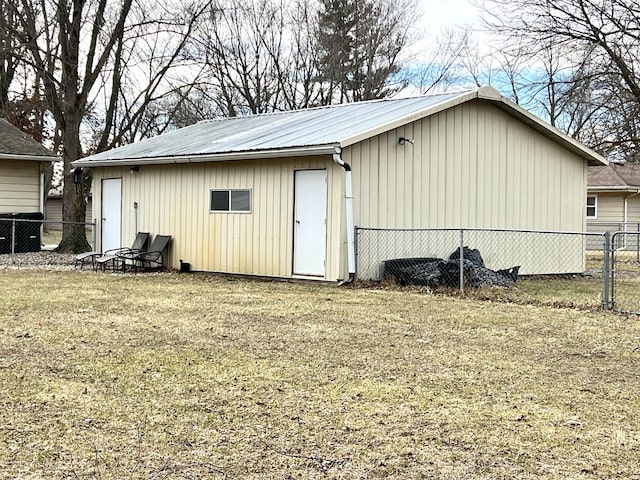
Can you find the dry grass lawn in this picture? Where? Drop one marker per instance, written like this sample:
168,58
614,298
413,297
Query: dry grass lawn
174,376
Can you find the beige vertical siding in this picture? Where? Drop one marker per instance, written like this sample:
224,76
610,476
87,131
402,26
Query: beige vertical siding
19,187
174,200
472,166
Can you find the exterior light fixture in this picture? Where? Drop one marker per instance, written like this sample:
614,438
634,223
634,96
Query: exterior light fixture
77,175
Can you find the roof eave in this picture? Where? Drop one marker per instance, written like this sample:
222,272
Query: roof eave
215,157
33,158
613,189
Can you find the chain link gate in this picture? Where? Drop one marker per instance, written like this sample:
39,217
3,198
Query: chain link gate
625,272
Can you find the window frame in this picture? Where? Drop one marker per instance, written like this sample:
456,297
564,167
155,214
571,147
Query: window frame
230,190
594,207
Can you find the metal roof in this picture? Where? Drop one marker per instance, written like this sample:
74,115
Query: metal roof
311,131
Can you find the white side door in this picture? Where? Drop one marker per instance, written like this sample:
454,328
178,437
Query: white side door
310,226
111,213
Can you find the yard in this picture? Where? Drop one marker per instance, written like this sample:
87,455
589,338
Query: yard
194,376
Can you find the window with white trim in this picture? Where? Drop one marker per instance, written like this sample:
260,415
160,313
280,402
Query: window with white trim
592,206
230,201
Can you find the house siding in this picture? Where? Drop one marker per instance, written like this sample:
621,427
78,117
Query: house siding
471,166
53,213
174,200
633,211
20,187
610,208
611,212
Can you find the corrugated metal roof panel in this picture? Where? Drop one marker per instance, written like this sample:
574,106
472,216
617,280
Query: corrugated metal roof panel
300,128
312,131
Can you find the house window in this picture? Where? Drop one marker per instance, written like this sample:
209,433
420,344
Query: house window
592,206
230,201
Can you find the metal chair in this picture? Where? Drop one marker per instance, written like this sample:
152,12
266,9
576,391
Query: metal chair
151,259
115,255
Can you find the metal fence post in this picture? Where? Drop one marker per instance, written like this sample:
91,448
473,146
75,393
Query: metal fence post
13,241
94,235
638,244
355,251
461,260
605,271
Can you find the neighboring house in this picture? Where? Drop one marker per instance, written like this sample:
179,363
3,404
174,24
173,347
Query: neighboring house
279,194
53,206
23,163
613,198
22,166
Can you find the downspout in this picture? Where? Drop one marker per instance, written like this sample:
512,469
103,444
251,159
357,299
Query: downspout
351,252
43,199
626,208
625,214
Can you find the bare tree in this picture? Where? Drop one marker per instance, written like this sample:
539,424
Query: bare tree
269,55
8,58
599,43
242,45
298,71
442,61
73,46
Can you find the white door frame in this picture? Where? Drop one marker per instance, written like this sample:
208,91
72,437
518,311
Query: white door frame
310,223
111,214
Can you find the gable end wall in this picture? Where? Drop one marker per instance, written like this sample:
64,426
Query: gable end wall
471,166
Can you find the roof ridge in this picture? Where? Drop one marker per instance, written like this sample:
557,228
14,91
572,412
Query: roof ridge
629,173
333,106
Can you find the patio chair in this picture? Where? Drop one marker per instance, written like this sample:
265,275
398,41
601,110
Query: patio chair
116,254
149,259
86,257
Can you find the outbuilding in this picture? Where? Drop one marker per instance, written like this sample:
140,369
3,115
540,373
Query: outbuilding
279,194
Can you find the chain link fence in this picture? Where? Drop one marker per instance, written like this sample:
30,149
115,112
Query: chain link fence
625,272
27,233
468,259
627,240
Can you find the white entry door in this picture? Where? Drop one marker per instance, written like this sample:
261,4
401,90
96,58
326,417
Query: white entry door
310,226
111,213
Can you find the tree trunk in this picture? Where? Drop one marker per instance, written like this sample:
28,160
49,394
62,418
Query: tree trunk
74,235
